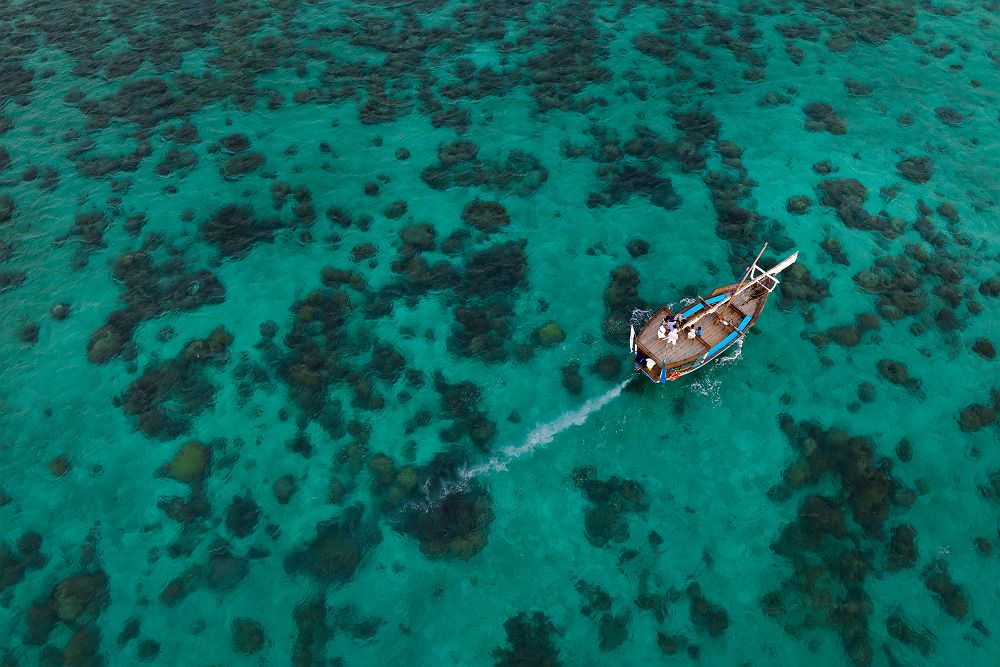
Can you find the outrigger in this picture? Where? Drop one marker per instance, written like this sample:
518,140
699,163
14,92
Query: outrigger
670,345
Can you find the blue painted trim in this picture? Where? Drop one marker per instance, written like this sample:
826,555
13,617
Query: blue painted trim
744,323
722,344
695,308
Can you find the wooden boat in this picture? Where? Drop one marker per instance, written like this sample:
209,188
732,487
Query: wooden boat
708,326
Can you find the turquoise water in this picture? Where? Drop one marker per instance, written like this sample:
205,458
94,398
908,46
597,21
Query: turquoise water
393,462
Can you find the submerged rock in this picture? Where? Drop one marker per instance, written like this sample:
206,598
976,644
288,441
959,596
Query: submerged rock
242,516
550,334
896,372
248,636
530,642
670,644
80,598
798,204
336,552
235,230
605,522
707,615
225,570
189,463
902,548
975,417
949,595
984,348
6,208
608,366
820,116
488,217
169,394
917,169
59,311
613,631
900,630
237,142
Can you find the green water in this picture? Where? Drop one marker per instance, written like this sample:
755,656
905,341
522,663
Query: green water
445,552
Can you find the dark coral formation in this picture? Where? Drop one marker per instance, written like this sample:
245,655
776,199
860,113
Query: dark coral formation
150,289
612,500
71,608
620,298
248,636
459,165
531,642
852,334
882,21
896,372
706,615
902,548
820,117
313,361
833,557
234,229
847,196
379,64
169,394
900,281
631,167
484,318
89,228
14,564
488,217
916,169
460,403
977,416
798,284
446,512
901,630
242,516
949,595
337,549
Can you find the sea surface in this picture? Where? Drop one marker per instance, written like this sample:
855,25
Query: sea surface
314,322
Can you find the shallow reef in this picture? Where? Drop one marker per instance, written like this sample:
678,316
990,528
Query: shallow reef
169,394
336,551
447,513
612,499
530,638
323,304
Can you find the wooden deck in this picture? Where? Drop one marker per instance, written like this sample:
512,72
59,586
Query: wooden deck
715,328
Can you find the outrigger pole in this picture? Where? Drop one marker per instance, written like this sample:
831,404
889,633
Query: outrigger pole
744,285
775,270
750,268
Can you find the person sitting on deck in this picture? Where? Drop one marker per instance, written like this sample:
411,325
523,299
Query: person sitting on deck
691,334
680,319
640,360
661,333
698,333
672,337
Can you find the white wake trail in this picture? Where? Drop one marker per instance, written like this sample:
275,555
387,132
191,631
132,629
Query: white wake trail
543,434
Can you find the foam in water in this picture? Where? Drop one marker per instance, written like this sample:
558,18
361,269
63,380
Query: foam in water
707,385
545,433
640,316
540,435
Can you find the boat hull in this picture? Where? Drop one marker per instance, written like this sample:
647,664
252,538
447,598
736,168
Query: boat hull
670,345
676,374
